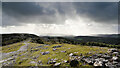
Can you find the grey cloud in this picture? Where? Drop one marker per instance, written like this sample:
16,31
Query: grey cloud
30,12
18,13
106,12
24,8
60,0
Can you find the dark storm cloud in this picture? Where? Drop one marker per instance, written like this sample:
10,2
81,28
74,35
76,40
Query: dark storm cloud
17,13
99,11
22,12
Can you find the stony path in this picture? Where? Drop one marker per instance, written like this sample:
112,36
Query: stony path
24,48
6,55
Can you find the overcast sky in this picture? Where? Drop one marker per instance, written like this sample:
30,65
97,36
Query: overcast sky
60,18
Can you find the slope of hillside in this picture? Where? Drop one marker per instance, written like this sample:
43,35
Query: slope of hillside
15,37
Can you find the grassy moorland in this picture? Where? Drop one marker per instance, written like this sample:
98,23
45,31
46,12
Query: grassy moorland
12,47
25,57
32,50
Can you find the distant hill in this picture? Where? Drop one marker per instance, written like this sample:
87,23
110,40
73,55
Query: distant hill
106,39
15,37
18,37
109,35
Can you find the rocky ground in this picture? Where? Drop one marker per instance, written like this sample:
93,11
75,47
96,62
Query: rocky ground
31,54
109,60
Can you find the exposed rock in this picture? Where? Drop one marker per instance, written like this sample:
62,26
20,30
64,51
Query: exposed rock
33,50
118,65
98,63
65,61
68,48
46,45
45,48
39,61
63,51
106,56
38,46
75,52
105,61
35,57
112,50
71,54
55,59
51,62
54,49
56,46
89,61
57,64
10,63
80,54
114,58
108,64
33,62
116,53
115,62
44,53
89,53
4,64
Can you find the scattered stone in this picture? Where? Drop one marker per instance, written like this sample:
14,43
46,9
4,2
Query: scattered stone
115,62
10,63
108,64
103,60
33,50
33,62
114,58
63,51
45,48
116,53
68,48
71,54
65,61
51,62
80,54
75,52
46,45
54,49
112,50
56,46
38,47
98,63
44,53
89,61
39,61
4,64
106,56
35,57
57,64
55,59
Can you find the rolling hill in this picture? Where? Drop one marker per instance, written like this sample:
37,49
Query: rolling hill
84,40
